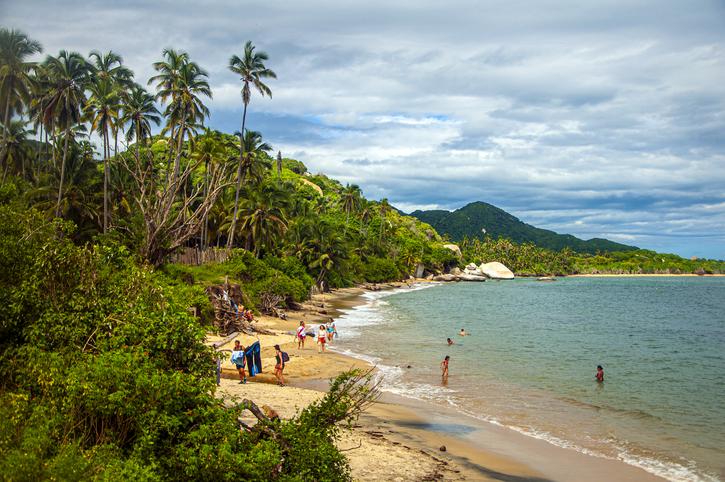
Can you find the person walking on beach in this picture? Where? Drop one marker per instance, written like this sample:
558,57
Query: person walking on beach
321,338
331,330
301,335
239,361
600,374
279,365
444,368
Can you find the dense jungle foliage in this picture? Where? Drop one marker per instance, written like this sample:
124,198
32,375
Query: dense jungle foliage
527,259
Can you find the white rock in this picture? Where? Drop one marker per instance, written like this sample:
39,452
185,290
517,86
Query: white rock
471,277
471,267
496,270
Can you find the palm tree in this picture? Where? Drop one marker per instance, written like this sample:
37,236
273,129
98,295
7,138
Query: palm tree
350,200
384,209
15,81
109,66
181,83
263,217
251,70
139,111
279,164
17,150
102,110
64,101
254,162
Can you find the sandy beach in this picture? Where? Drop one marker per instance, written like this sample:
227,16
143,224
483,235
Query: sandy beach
397,438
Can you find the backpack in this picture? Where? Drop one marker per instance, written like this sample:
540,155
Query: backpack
285,357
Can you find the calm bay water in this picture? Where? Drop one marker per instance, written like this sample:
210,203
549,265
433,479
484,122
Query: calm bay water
531,356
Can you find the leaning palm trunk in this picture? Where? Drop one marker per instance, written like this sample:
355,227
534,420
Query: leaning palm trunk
62,170
230,241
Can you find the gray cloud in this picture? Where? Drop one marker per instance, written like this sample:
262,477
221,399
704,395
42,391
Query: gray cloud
599,119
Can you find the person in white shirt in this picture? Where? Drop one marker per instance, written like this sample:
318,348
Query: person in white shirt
301,335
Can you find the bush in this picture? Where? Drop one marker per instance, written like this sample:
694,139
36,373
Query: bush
378,270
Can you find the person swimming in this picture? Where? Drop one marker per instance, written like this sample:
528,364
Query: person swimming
462,332
450,342
600,374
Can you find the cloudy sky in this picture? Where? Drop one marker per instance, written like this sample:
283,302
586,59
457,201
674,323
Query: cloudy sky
599,119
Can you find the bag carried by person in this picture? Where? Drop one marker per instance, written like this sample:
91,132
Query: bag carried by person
285,357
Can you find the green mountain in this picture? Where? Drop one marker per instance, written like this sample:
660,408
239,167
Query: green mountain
472,218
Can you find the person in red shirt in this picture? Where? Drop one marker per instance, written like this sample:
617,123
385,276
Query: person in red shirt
600,374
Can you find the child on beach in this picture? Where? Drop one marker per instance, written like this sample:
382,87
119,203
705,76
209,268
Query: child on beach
239,360
301,335
279,365
600,374
444,367
321,338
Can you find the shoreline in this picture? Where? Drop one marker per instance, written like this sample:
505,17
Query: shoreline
638,275
407,430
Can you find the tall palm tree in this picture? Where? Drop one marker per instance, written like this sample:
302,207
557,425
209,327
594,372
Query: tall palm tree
102,109
139,111
181,83
64,101
109,66
251,70
15,81
350,200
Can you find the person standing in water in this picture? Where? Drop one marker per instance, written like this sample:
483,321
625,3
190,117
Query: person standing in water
600,374
444,368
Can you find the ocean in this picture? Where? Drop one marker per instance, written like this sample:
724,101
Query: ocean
530,358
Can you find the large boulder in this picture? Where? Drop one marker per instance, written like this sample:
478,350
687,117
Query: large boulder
496,270
471,277
445,277
456,271
454,248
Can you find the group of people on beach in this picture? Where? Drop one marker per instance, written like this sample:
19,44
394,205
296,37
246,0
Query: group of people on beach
325,334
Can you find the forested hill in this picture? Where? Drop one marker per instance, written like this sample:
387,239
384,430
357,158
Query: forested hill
472,218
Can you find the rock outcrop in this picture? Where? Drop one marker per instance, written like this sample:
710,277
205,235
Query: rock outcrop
495,270
454,248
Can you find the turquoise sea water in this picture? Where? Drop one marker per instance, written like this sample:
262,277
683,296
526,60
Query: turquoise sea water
530,359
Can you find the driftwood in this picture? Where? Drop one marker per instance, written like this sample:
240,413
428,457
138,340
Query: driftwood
226,319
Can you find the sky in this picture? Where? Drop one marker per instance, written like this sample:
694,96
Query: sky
597,119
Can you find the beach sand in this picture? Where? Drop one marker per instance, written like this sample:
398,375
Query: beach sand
398,439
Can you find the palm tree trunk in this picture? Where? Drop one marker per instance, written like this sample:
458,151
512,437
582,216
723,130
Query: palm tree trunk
106,154
179,145
230,240
6,118
62,171
205,224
